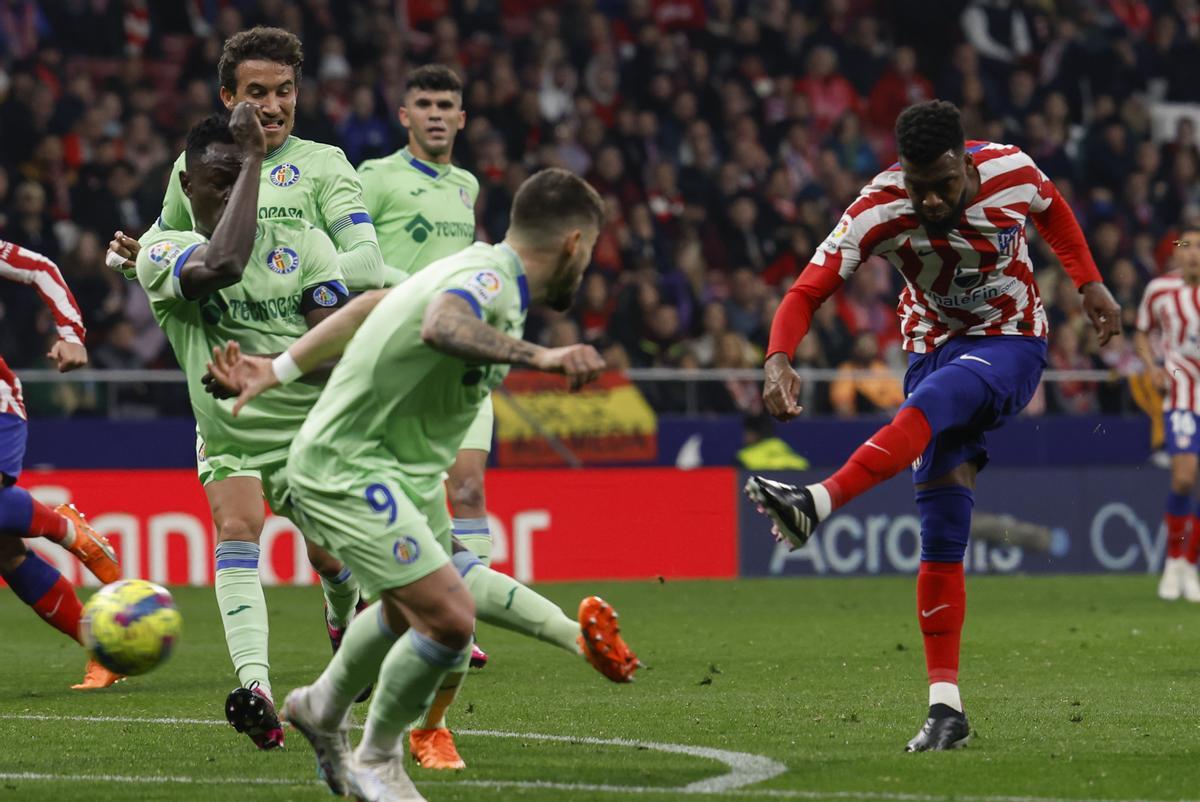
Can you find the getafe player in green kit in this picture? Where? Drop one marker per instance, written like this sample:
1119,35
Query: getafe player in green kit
424,209
366,473
264,282
299,181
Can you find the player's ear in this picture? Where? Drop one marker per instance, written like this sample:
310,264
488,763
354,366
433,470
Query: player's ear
402,113
227,98
185,183
571,243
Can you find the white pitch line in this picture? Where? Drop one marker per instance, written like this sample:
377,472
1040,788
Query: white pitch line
723,784
743,768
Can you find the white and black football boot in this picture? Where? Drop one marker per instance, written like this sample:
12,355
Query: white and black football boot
789,507
946,728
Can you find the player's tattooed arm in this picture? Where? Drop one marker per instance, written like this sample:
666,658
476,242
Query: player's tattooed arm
222,261
450,326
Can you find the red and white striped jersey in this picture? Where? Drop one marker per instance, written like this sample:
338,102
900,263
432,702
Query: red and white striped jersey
1171,309
976,278
27,267
11,400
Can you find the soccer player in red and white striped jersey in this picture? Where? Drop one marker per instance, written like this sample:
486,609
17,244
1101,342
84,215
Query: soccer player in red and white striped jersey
951,217
1170,313
36,582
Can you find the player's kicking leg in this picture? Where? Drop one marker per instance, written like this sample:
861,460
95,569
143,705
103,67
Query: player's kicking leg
40,585
595,635
1179,578
951,402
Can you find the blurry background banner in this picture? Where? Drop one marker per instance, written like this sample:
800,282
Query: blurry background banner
540,424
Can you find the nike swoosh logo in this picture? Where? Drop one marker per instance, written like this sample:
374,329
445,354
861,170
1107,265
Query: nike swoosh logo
879,448
238,610
50,614
924,253
416,192
927,613
976,359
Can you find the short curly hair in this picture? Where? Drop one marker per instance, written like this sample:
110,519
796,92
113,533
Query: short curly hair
260,43
213,129
927,130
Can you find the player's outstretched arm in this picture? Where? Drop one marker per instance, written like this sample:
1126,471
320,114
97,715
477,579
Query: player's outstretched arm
248,376
1058,226
781,384
29,267
450,326
222,261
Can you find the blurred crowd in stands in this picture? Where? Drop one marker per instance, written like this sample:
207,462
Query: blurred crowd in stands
726,137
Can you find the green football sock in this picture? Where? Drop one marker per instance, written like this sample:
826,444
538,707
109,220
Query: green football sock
341,596
243,611
411,673
355,666
502,601
475,535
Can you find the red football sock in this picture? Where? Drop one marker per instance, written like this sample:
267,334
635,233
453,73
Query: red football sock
61,608
889,451
1192,551
1177,531
941,608
47,523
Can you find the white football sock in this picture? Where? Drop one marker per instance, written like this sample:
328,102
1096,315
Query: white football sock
821,500
945,693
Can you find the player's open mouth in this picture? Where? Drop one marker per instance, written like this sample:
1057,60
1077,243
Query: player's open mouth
274,125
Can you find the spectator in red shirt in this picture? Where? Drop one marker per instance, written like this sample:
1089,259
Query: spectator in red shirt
900,86
829,94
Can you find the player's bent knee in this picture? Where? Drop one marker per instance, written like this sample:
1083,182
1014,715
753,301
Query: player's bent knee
453,623
945,513
242,529
466,495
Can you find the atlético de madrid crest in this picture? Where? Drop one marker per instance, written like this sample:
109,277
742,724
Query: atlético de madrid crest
284,175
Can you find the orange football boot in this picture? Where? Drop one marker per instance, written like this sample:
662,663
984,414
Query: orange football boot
92,548
435,749
96,676
601,642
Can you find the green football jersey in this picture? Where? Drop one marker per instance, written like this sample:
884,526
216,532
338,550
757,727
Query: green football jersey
301,180
393,400
422,211
261,313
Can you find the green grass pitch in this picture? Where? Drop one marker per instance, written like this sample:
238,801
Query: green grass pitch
1077,688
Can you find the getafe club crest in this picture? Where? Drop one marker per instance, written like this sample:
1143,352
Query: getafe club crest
283,260
466,197
406,550
284,175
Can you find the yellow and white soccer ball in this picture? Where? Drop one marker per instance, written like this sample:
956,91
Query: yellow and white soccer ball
130,626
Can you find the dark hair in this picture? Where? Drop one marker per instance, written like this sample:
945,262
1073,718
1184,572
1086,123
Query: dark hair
213,129
434,78
555,199
927,130
259,44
